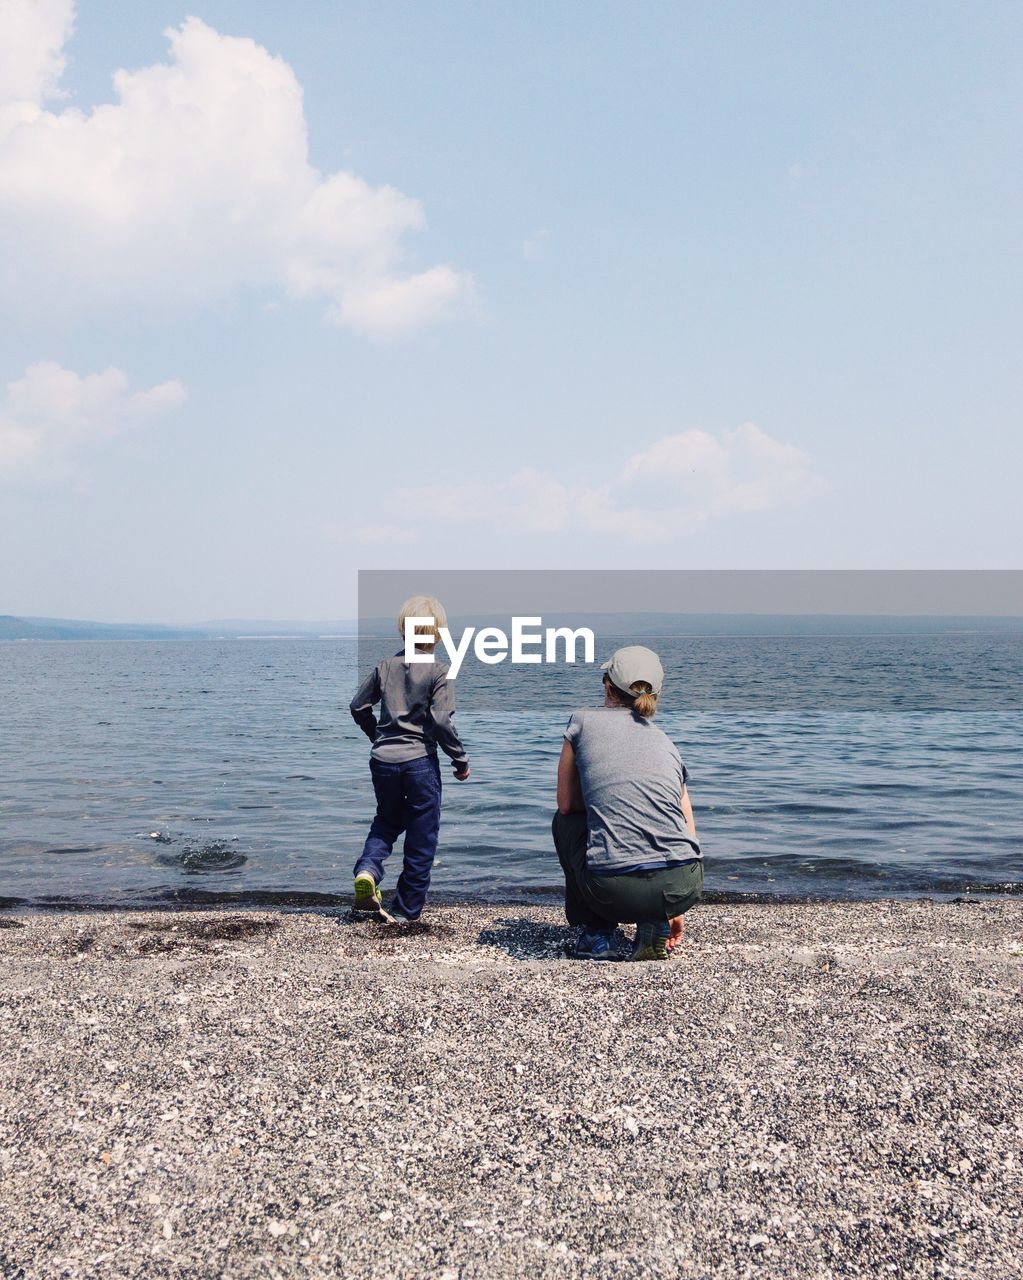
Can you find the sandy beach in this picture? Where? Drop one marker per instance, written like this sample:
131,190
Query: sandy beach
812,1090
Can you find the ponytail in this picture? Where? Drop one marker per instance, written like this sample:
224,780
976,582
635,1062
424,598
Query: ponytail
645,701
640,698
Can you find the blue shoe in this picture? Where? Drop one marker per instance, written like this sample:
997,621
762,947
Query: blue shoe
600,944
651,941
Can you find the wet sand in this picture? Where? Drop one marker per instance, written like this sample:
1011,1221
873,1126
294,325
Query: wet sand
813,1090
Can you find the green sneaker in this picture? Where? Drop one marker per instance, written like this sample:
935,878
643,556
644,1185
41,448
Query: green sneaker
651,941
367,895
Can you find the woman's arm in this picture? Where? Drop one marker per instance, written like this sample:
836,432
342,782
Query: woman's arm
570,791
687,811
677,928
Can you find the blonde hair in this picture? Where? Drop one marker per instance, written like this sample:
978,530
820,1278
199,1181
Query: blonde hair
644,701
423,607
640,697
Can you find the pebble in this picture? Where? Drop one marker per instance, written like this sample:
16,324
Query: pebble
817,1090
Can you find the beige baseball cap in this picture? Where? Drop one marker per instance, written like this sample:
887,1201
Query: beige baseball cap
634,662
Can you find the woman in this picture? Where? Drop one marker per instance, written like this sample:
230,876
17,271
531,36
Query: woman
624,829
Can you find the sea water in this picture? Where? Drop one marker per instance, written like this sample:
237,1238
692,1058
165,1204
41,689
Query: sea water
141,772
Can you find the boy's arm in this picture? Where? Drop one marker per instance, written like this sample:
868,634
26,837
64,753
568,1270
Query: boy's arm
442,708
365,700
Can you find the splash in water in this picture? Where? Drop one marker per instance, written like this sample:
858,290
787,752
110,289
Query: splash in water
215,856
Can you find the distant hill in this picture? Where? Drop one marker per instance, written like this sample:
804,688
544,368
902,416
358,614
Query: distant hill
614,625
12,628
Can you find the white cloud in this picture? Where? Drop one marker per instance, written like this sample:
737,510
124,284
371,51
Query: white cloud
51,416
195,183
532,246
32,38
675,484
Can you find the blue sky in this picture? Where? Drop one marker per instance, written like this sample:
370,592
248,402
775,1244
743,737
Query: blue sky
561,285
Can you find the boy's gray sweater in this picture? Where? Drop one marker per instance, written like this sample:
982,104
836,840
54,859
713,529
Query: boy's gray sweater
416,706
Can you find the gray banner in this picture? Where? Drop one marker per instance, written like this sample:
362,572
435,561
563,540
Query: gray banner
767,640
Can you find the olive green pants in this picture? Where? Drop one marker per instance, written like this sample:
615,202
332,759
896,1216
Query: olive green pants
597,902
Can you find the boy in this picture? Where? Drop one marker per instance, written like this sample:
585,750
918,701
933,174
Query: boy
416,706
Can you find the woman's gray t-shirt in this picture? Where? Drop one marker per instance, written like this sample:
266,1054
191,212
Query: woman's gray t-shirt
632,777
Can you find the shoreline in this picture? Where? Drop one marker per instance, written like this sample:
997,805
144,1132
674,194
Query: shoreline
806,1090
333,903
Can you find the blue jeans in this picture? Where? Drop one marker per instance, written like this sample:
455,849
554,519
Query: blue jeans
408,799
